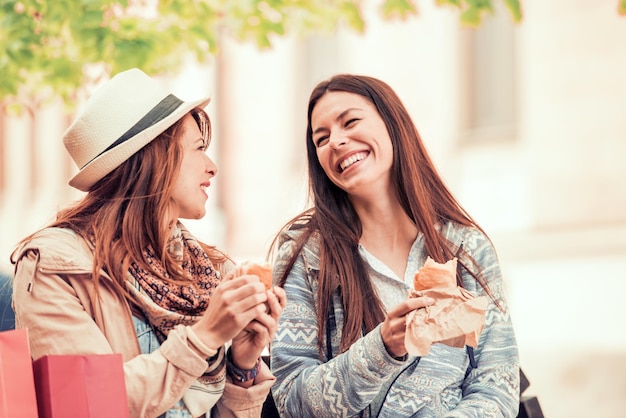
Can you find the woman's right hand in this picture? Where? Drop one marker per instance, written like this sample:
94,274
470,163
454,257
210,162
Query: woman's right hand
394,326
248,345
233,305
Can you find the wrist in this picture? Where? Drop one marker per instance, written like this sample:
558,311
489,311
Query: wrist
241,356
402,357
196,342
239,374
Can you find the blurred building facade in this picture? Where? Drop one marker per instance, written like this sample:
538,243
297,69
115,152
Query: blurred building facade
527,124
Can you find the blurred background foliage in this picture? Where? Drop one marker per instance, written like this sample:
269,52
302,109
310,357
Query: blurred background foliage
50,48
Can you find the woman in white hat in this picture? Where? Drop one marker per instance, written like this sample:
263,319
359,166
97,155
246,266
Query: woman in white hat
118,272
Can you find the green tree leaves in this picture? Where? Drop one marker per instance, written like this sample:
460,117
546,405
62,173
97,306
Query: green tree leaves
48,48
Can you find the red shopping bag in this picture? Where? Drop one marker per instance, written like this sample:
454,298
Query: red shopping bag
17,387
81,386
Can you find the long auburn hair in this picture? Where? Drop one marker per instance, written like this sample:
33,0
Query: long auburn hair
420,191
128,210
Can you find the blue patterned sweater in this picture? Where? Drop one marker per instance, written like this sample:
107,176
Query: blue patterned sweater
432,386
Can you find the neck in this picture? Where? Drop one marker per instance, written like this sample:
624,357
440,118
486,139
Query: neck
386,225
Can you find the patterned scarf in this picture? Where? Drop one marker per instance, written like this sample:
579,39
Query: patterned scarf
166,304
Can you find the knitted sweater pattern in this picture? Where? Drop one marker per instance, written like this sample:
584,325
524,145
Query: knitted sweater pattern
432,386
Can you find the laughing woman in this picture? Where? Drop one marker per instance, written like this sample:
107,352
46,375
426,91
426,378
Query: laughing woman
379,210
119,273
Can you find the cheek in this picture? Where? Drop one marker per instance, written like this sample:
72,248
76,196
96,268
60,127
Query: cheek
322,158
182,184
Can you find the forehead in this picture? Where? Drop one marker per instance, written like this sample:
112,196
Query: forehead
334,102
190,130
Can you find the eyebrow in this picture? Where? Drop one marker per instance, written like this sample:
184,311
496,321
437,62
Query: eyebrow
339,116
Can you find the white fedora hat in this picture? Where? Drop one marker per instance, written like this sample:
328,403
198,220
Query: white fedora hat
119,119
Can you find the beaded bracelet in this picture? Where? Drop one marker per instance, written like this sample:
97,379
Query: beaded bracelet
241,375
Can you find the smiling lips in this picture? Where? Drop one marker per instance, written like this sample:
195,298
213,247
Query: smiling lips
344,164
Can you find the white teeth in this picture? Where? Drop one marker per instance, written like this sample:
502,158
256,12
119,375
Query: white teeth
351,160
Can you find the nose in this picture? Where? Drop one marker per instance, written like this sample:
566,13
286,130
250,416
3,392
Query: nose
210,167
337,140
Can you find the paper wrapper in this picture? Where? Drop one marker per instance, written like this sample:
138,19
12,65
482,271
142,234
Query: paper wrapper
456,319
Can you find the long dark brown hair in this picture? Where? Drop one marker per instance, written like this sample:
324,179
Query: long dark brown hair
421,193
128,210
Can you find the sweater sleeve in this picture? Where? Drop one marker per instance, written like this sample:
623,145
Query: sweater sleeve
308,386
492,388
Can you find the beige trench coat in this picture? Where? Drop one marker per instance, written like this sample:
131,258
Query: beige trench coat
52,298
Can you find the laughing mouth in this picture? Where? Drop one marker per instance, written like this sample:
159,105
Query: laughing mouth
354,158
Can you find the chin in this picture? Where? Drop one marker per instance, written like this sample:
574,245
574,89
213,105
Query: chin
194,215
200,215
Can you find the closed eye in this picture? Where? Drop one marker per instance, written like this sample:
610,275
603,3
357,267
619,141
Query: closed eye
203,146
350,122
321,140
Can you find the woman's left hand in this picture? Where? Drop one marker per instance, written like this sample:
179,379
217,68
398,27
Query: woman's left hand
248,345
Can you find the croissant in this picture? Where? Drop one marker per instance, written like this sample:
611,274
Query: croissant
455,319
262,270
434,275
